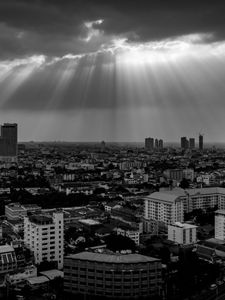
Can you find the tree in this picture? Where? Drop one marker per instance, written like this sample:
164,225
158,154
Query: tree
116,242
184,184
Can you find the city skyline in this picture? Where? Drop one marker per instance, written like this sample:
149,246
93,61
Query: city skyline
96,70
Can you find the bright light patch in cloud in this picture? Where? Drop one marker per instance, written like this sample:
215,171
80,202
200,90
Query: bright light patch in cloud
92,32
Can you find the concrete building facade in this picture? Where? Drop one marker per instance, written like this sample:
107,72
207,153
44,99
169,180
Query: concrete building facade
220,225
126,276
182,233
164,207
43,234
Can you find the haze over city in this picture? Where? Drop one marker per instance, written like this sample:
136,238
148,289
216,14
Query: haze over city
112,70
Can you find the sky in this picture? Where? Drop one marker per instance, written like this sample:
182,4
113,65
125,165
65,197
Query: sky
113,70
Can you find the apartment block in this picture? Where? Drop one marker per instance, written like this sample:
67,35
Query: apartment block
164,207
220,225
182,233
43,234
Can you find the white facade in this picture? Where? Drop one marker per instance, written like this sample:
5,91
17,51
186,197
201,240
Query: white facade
15,211
164,207
189,174
182,233
44,236
199,198
220,224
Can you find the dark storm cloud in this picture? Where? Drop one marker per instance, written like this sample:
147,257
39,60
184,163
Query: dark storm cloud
55,27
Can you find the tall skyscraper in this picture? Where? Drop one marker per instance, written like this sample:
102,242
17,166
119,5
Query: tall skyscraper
156,143
8,142
184,142
149,143
200,141
160,144
191,143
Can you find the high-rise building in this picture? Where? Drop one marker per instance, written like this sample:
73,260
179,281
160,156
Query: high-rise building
164,207
43,234
184,142
149,143
156,143
191,143
8,142
200,141
160,144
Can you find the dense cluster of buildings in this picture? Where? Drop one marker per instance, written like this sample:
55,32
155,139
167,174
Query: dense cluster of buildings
105,191
151,143
190,144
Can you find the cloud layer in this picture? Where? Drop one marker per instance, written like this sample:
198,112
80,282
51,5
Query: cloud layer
55,28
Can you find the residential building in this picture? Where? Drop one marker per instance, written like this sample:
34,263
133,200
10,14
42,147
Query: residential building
199,198
8,261
126,276
174,174
16,211
182,233
164,207
189,174
220,225
43,234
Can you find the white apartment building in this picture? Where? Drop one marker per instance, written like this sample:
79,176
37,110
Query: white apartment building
164,207
199,198
182,233
220,224
43,234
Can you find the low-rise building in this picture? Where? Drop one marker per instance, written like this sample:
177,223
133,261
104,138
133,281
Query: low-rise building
126,276
8,261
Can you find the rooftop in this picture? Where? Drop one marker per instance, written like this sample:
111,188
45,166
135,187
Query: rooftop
183,225
205,191
41,219
220,212
172,195
163,196
38,280
89,222
113,258
51,274
6,248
